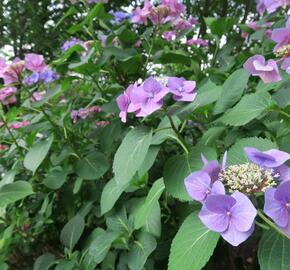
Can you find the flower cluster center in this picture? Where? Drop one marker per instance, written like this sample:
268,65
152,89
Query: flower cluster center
284,51
247,178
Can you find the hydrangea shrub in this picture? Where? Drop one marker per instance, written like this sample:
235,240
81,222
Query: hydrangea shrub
149,142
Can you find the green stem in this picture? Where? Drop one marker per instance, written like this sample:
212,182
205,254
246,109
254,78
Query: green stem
281,112
271,224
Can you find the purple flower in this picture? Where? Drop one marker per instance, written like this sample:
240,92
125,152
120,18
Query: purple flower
281,36
232,216
181,89
147,98
74,116
48,76
7,95
257,66
198,41
271,159
175,7
32,79
70,43
98,1
199,186
34,62
277,205
169,35
141,15
120,16
286,65
124,101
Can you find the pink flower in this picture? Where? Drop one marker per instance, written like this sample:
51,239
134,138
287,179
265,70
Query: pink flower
169,35
245,35
182,24
37,96
102,123
3,147
175,7
104,41
18,125
257,66
11,73
95,109
7,95
141,15
198,41
35,62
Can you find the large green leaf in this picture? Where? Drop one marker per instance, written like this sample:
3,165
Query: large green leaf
55,178
101,245
192,246
37,154
237,155
177,168
72,231
44,262
13,192
142,248
131,154
92,166
145,210
232,90
250,107
110,194
274,251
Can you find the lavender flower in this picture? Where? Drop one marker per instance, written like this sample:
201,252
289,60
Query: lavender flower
48,76
120,16
281,36
148,98
277,205
257,66
181,89
273,159
70,43
7,95
32,79
35,62
199,186
232,216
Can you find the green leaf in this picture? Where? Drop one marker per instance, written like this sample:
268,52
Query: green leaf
44,262
142,248
192,246
273,253
149,160
237,155
249,107
175,58
232,90
164,130
55,178
92,166
211,135
131,154
176,169
222,26
145,210
37,154
153,222
72,231
206,94
282,96
110,194
13,192
101,245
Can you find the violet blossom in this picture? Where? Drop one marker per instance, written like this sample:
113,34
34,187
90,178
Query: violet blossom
281,36
231,215
277,205
141,15
19,125
72,42
35,62
11,73
182,89
273,159
120,16
169,35
257,66
198,41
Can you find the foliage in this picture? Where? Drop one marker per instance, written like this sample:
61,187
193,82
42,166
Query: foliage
82,188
